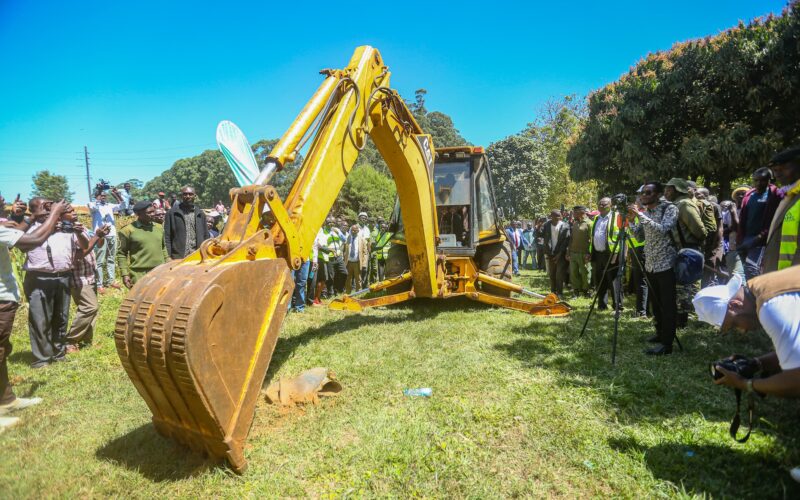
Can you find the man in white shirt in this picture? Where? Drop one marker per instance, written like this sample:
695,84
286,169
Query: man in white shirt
604,236
102,214
771,300
9,300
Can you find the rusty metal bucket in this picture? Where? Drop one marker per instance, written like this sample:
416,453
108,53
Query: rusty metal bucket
196,339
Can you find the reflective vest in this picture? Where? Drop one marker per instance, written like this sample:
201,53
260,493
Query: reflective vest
325,237
635,243
791,222
612,232
382,244
335,243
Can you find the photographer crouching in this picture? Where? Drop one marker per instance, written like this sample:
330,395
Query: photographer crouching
772,301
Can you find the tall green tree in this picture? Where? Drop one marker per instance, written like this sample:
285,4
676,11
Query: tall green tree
51,186
519,174
715,108
367,190
555,128
211,177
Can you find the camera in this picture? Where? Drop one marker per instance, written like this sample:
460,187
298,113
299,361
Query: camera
620,202
101,186
67,226
744,366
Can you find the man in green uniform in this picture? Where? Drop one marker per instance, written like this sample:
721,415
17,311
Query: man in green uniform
141,245
579,251
689,232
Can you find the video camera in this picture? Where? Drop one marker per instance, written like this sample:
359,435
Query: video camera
101,186
620,202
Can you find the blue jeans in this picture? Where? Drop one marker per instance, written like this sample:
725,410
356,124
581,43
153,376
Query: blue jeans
526,255
514,262
300,279
751,260
106,258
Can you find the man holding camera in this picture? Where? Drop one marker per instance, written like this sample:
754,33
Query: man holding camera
103,214
9,297
47,282
655,227
772,301
84,287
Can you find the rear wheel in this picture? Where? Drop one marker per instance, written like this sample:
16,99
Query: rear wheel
495,260
396,264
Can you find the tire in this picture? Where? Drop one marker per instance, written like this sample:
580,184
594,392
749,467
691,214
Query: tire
396,264
495,260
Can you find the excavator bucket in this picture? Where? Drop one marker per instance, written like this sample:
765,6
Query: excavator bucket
196,339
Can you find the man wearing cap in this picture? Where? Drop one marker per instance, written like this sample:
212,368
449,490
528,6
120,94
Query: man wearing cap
689,232
578,256
772,301
654,226
141,245
783,239
758,209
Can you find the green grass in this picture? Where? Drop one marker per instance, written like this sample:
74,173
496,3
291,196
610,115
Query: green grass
520,407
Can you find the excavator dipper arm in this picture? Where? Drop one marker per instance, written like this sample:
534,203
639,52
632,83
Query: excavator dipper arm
196,336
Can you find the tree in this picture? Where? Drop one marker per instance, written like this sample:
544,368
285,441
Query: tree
519,168
556,128
211,177
369,191
51,186
715,108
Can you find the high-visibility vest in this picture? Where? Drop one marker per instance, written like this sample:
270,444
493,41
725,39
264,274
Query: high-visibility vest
324,255
635,243
612,232
382,244
789,228
335,243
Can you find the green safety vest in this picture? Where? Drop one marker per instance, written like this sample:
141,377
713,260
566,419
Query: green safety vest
324,255
611,234
335,244
635,243
791,222
382,245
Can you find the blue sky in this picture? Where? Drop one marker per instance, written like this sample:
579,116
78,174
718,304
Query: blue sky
145,83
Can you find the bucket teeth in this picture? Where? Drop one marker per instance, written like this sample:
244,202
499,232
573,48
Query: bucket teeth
196,340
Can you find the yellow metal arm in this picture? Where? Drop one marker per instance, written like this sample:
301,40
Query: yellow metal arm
350,104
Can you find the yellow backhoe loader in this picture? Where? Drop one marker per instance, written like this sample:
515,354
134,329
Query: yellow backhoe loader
196,336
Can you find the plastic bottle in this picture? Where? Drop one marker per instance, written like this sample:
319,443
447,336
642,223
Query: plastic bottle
424,392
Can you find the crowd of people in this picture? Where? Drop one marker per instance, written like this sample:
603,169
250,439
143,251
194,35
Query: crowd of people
733,262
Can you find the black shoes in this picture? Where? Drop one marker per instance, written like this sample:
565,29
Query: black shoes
658,350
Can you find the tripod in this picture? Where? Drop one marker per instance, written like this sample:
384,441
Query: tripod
622,239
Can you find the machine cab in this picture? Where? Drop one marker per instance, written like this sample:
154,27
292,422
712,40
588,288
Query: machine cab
465,207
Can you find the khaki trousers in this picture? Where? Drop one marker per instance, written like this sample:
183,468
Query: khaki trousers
82,329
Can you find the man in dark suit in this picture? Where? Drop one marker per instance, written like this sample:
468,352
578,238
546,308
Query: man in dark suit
185,226
556,243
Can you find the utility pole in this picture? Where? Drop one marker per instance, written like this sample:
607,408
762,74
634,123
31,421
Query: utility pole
88,177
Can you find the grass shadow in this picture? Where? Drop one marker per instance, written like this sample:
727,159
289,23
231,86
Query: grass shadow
678,463
156,458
